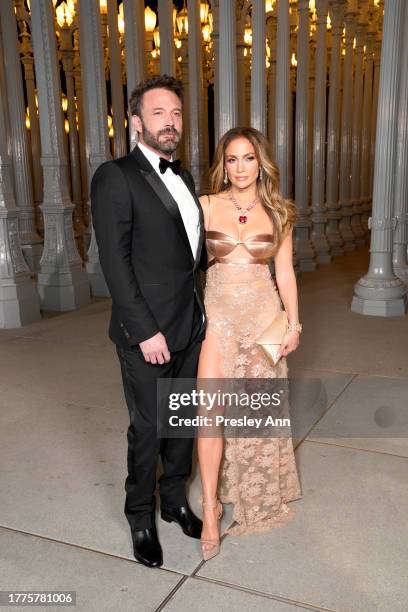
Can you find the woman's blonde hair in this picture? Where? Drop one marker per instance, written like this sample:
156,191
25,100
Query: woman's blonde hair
282,212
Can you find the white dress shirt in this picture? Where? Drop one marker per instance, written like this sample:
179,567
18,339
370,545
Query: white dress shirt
181,194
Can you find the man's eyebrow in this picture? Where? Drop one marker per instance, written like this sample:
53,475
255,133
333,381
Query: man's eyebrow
178,108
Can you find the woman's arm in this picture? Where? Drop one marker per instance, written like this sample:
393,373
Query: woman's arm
286,279
205,206
287,287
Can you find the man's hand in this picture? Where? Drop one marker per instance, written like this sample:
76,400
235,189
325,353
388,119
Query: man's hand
155,349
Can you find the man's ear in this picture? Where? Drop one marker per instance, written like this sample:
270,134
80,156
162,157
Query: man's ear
136,123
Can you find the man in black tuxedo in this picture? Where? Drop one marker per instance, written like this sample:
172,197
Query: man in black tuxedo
149,230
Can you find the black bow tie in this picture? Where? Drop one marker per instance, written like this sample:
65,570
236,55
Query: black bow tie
174,165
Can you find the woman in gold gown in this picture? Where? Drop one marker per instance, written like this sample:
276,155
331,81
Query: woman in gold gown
247,223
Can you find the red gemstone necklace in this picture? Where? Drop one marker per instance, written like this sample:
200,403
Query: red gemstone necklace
242,217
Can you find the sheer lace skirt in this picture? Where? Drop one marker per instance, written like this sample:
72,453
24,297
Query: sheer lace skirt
258,475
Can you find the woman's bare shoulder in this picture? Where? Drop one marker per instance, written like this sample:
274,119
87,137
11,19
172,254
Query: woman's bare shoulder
221,195
203,199
206,200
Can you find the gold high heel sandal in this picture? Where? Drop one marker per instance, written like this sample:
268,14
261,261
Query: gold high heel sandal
215,543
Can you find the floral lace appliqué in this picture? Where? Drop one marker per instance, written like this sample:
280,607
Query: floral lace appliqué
258,475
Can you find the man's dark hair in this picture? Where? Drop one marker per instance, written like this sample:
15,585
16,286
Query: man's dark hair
163,81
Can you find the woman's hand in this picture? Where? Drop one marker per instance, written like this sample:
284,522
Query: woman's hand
290,343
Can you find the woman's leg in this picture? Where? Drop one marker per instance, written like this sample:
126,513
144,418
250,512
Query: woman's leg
209,448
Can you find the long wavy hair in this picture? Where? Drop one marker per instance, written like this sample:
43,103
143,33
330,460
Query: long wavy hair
282,212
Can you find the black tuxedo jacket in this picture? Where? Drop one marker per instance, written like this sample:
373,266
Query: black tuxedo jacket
145,253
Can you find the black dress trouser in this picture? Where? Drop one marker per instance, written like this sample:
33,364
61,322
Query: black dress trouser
144,446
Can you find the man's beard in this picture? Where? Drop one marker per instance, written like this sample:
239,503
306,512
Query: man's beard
167,147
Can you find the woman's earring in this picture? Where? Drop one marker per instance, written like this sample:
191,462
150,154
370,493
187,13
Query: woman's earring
225,178
261,173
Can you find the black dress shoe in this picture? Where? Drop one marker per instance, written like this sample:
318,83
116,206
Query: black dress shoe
147,548
183,515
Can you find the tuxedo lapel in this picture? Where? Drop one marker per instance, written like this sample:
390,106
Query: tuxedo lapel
162,193
201,216
201,237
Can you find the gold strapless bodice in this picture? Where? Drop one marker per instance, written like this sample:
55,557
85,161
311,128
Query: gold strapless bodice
220,246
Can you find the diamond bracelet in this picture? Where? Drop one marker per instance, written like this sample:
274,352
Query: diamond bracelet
294,327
